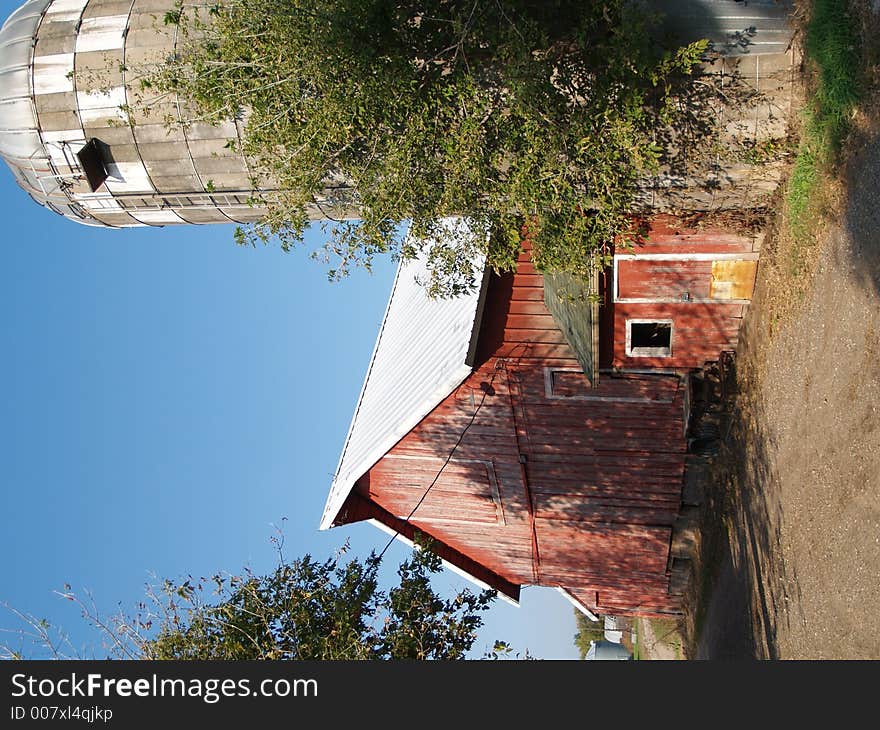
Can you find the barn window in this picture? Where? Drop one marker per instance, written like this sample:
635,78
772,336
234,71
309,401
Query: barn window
649,338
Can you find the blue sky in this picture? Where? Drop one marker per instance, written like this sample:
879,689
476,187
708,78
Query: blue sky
169,397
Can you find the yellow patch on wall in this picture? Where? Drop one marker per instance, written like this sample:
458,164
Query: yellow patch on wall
733,279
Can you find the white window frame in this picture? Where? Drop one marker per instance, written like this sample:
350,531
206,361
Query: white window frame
692,256
648,351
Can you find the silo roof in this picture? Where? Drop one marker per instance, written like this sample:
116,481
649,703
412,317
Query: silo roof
19,138
21,146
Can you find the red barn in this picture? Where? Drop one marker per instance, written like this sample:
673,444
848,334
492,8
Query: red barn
538,437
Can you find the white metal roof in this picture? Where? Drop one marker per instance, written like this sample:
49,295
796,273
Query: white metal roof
418,360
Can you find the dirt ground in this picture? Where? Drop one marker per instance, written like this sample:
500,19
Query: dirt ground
790,549
659,640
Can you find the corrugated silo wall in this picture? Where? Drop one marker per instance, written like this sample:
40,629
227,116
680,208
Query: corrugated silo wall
87,57
742,162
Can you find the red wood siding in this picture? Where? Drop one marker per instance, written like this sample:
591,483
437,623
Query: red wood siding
505,547
700,330
647,278
667,234
615,550
358,508
644,598
464,492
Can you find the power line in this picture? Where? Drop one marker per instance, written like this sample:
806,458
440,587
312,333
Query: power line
487,389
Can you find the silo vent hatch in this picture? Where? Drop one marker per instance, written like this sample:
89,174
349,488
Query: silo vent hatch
91,158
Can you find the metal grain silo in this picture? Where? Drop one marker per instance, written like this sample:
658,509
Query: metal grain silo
81,141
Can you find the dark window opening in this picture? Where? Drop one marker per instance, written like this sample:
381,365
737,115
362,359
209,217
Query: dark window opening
651,334
649,338
92,159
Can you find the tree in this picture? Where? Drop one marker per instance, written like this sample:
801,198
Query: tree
531,118
587,631
324,610
304,609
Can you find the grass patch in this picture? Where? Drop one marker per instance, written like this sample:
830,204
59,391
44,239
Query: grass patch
832,44
837,46
657,638
833,59
666,631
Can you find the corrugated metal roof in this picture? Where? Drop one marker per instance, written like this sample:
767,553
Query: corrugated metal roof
419,358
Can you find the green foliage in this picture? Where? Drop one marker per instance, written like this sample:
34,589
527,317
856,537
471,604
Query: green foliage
304,609
320,610
831,43
529,118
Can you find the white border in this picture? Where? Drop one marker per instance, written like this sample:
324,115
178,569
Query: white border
577,604
743,256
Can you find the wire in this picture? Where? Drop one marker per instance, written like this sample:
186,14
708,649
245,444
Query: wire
500,364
